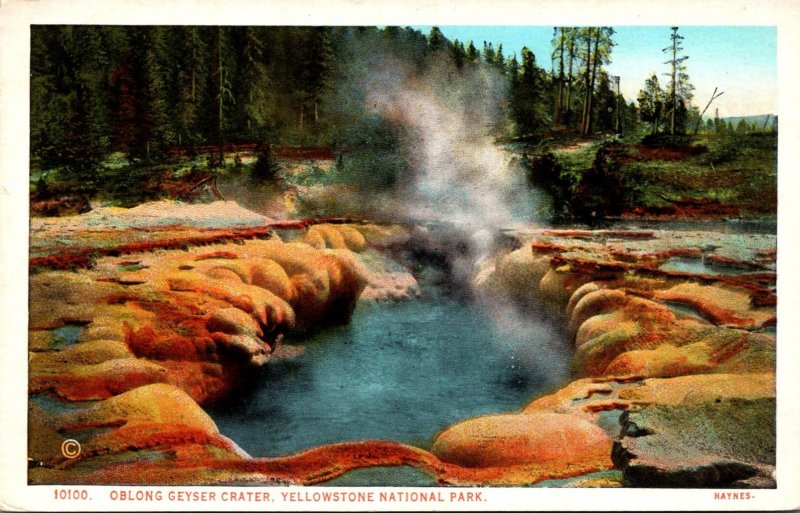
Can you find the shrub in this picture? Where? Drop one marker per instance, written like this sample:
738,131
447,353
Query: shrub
667,140
267,165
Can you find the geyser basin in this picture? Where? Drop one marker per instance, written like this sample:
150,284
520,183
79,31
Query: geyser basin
399,371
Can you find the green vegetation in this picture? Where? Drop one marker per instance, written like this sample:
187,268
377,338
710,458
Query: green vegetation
726,175
101,92
126,114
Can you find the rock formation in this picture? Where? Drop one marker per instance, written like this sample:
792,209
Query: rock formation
675,366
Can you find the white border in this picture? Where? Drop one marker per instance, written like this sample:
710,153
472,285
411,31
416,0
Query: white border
17,15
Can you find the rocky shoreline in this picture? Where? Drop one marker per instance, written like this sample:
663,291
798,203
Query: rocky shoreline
673,335
678,365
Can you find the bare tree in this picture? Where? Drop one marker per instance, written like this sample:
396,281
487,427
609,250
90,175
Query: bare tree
714,96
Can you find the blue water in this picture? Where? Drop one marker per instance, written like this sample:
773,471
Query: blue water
722,226
396,476
699,266
400,371
65,336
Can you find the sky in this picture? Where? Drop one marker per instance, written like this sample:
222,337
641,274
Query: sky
740,60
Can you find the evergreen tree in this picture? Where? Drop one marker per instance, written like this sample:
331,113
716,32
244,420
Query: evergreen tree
630,120
513,75
185,84
572,59
500,60
50,92
598,52
651,102
436,40
559,43
138,111
218,103
743,127
320,66
69,82
80,151
250,85
605,114
526,102
472,53
458,53
488,53
680,90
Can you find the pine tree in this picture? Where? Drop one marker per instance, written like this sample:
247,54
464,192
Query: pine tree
559,42
436,40
598,52
572,57
320,67
605,119
472,53
138,110
49,93
187,56
680,90
526,103
458,53
69,80
80,151
488,53
221,75
500,60
250,86
630,121
651,102
743,127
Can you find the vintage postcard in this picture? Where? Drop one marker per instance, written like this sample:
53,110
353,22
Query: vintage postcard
299,257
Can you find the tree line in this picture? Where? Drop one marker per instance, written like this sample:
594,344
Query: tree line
139,90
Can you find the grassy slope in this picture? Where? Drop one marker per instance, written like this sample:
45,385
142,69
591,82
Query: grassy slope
739,171
736,173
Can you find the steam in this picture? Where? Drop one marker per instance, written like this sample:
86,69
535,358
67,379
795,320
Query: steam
531,338
460,179
438,124
459,175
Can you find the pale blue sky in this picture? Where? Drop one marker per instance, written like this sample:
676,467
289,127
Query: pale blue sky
741,61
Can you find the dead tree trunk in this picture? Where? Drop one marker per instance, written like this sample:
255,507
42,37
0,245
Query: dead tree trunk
714,96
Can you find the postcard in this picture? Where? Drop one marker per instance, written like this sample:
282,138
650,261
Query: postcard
286,256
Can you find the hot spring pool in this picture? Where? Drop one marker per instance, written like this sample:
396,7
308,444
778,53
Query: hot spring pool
398,371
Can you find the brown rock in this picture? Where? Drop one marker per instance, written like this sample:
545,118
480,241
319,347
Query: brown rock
44,442
579,294
224,274
39,340
564,399
706,444
520,273
705,388
84,353
353,238
58,296
721,303
158,402
519,439
559,284
718,350
100,381
663,361
594,302
268,274
234,322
